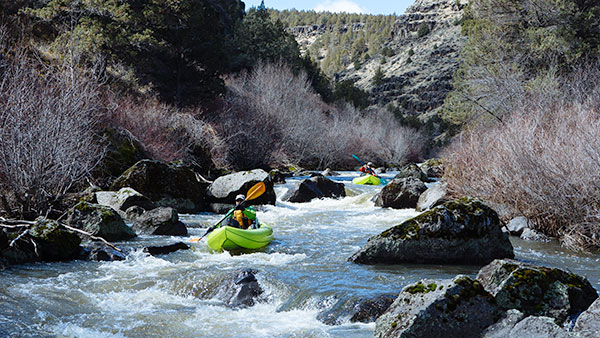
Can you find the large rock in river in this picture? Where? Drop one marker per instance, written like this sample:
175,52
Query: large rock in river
588,323
225,188
160,221
167,185
449,308
99,220
401,193
536,290
435,195
314,187
463,231
124,199
412,170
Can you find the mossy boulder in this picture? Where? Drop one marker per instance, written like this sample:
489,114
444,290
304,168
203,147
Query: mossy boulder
401,193
412,170
160,221
124,199
315,187
225,188
537,290
122,151
99,220
449,308
463,231
55,242
167,185
433,167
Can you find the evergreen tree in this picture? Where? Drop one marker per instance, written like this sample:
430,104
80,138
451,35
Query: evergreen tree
378,77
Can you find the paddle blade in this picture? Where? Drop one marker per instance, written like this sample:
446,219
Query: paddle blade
358,159
257,190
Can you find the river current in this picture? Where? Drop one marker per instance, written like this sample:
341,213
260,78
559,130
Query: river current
304,272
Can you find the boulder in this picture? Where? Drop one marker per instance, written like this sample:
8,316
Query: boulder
533,235
433,167
432,197
166,249
536,290
538,326
246,288
99,220
518,224
54,242
124,199
167,185
502,328
329,172
277,176
449,308
588,323
463,231
122,152
225,188
160,221
314,187
99,252
412,170
236,289
400,193
368,310
133,212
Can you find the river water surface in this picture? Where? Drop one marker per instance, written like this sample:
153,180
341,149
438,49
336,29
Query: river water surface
304,272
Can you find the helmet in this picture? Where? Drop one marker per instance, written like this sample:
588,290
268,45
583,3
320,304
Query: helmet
370,164
240,197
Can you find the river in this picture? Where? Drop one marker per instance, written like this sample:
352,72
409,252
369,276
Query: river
304,272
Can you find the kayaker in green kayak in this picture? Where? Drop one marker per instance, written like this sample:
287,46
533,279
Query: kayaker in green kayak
368,169
241,216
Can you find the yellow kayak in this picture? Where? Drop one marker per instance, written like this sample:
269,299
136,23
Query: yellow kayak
367,179
229,238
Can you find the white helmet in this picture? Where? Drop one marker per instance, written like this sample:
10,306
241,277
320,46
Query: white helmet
240,197
370,164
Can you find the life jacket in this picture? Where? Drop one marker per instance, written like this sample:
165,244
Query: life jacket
239,216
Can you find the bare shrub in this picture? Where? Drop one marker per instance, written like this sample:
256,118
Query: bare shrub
274,117
48,120
543,162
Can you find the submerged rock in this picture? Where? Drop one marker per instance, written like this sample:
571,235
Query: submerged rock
160,221
463,231
314,187
166,249
450,308
432,197
99,252
99,220
536,290
401,193
167,185
368,310
225,188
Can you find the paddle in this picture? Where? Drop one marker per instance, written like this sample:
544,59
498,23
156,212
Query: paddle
254,192
383,180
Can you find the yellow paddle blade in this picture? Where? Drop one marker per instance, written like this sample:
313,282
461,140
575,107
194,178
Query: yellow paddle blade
256,190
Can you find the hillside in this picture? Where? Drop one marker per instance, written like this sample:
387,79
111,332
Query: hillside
418,52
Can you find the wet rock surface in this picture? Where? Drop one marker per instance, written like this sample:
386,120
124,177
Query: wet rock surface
99,220
463,231
160,221
166,249
401,193
314,187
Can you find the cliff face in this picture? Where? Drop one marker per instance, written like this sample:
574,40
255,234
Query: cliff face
426,42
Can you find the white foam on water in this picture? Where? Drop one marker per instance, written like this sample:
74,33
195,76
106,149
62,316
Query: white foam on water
69,329
146,300
256,258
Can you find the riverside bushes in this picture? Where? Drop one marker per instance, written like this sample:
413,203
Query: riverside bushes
542,162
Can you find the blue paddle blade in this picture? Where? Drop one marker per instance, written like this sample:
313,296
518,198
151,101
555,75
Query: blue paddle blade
383,181
358,159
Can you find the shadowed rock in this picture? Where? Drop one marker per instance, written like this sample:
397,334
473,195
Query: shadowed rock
160,221
166,249
99,220
314,187
225,188
432,197
401,193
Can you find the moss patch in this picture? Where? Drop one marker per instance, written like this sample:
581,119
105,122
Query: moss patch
421,288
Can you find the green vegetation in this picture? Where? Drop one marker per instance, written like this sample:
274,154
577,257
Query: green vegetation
378,77
346,35
423,30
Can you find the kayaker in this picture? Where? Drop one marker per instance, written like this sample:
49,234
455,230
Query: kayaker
368,169
241,216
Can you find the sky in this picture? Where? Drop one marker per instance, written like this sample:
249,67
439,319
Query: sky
351,6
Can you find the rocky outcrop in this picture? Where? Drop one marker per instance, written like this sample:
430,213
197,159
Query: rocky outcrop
99,220
277,176
463,231
160,221
536,290
450,308
122,151
167,185
401,193
588,323
329,172
166,249
368,310
412,170
124,199
314,187
224,189
434,195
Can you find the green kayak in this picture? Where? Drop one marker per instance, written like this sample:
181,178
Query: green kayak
229,238
367,179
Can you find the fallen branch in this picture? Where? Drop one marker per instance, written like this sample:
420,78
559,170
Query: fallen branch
91,236
18,237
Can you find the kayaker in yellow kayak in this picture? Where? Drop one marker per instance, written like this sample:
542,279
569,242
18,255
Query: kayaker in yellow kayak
368,169
241,216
